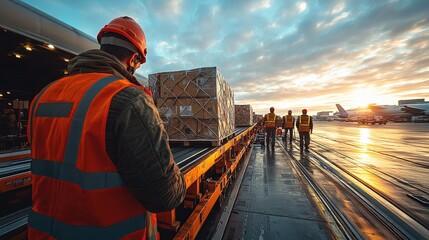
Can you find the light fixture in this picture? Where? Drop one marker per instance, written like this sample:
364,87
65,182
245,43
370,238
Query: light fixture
50,46
17,55
1,95
66,60
66,72
7,92
10,104
28,48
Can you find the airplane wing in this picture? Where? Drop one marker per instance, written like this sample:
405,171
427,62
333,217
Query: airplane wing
413,110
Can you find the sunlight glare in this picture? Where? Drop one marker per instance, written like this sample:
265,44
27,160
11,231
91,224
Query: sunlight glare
361,97
364,135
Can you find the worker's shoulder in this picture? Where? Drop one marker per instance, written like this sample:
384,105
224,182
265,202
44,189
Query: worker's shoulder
132,91
129,95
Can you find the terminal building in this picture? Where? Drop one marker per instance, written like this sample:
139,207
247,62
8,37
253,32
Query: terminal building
411,101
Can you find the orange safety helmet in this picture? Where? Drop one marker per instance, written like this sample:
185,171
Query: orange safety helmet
304,111
128,28
289,112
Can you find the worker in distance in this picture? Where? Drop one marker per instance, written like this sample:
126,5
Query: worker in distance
304,123
269,121
288,124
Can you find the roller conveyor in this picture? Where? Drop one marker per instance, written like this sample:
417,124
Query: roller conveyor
14,155
17,172
11,168
183,156
15,224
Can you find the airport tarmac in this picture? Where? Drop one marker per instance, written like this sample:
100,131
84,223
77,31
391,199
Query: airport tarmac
392,158
402,148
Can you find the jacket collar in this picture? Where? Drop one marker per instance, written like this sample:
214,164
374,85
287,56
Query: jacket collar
96,60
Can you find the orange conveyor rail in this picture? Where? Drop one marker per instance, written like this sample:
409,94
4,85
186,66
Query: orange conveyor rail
201,195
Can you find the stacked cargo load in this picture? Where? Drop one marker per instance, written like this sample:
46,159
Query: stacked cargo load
197,105
243,115
257,118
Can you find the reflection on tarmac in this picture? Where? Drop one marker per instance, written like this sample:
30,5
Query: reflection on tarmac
392,158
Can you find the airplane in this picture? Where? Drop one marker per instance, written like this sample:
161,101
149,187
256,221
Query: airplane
352,112
391,112
360,115
403,111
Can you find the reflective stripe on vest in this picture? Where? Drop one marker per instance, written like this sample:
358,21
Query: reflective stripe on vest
69,172
65,231
79,225
304,124
30,117
270,123
289,121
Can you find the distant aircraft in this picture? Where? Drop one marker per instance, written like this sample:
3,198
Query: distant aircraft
391,112
363,116
398,112
352,113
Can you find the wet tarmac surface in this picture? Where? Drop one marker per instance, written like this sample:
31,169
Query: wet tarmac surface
392,158
272,202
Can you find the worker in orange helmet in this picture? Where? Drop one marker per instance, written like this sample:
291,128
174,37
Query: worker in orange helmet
305,127
102,166
270,127
288,123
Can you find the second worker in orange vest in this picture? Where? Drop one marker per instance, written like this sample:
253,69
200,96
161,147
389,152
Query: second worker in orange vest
101,162
288,125
270,127
304,124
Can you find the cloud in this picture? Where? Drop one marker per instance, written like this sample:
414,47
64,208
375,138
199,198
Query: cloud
301,6
284,53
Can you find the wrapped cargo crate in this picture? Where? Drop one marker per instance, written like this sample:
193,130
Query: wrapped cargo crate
197,106
257,117
243,115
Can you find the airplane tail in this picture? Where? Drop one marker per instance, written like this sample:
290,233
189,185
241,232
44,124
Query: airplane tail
343,112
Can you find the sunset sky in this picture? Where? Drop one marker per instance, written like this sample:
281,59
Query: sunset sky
281,53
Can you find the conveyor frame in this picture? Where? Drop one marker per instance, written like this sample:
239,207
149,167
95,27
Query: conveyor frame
201,196
223,160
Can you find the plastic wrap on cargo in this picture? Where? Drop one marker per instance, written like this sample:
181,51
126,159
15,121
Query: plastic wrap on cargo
257,118
195,104
243,115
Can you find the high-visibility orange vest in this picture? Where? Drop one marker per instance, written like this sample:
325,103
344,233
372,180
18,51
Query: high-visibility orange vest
288,121
77,190
270,120
304,123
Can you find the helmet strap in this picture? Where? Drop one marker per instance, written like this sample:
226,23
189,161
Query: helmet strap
118,42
